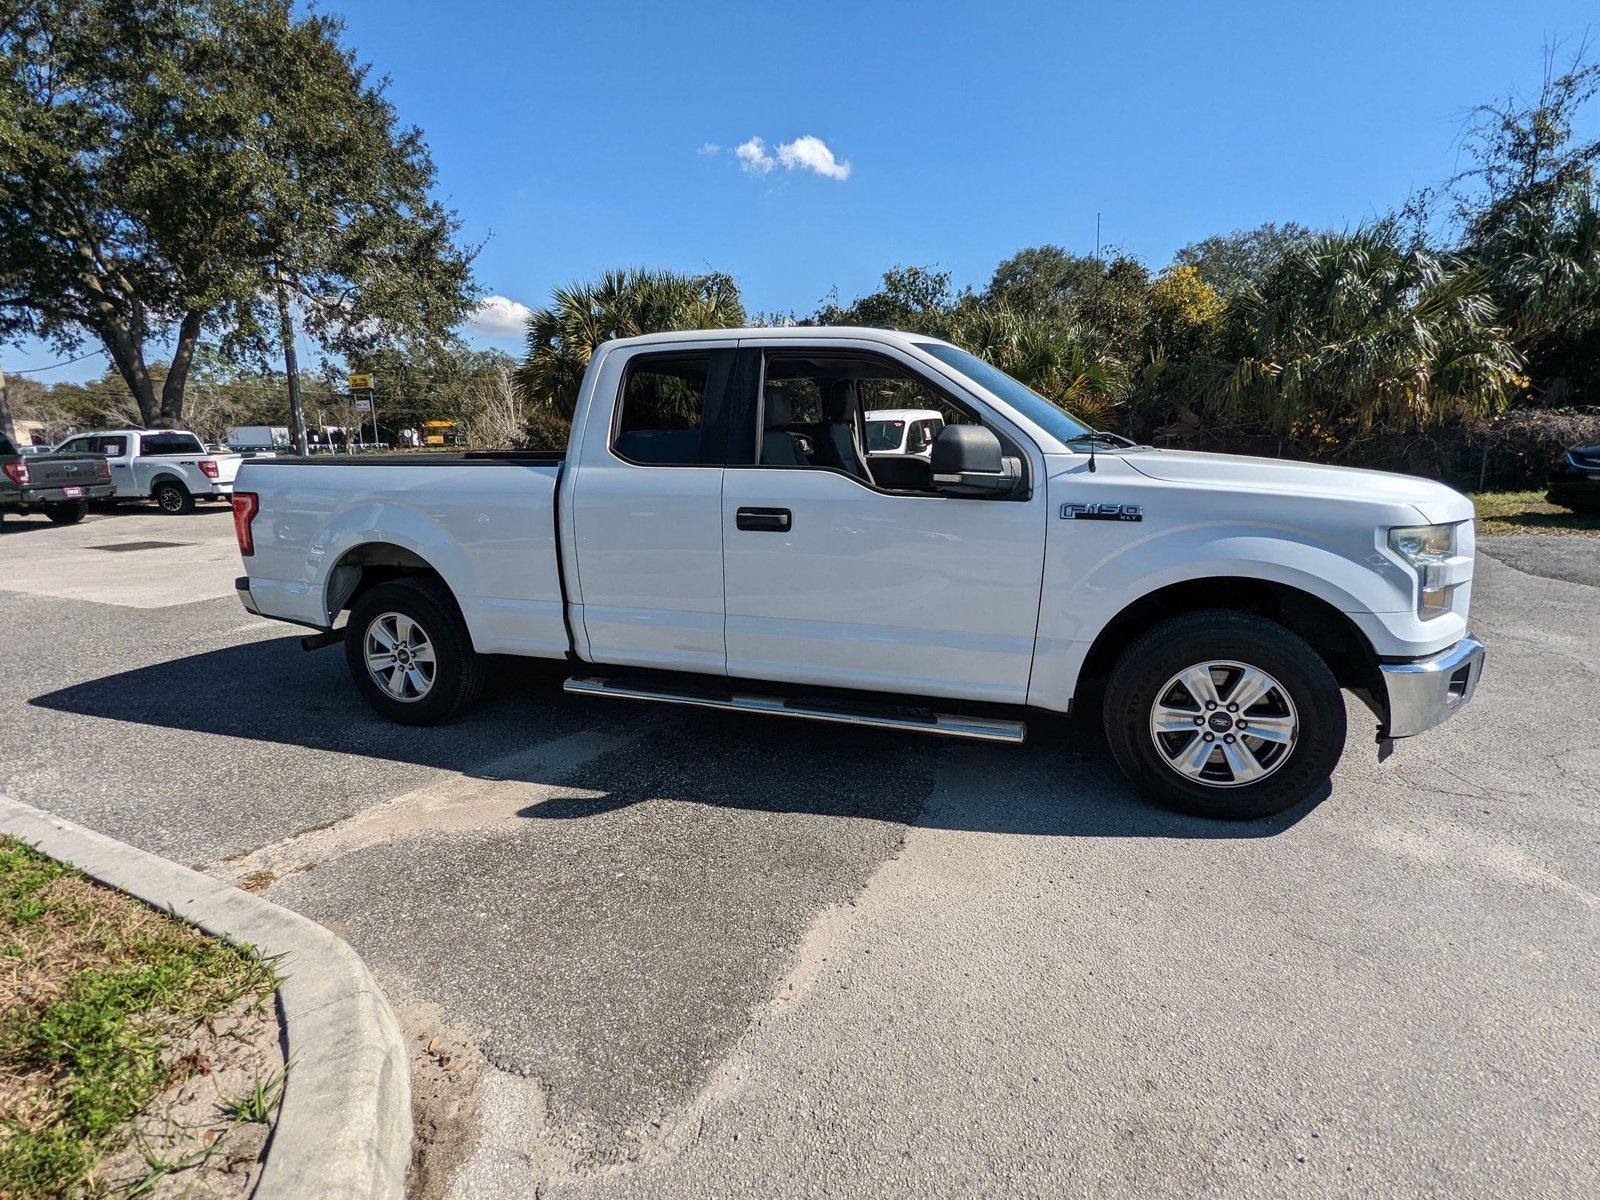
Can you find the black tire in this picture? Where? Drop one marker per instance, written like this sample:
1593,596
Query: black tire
458,668
172,497
69,513
1171,647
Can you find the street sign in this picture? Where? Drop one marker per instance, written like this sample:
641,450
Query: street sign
360,383
363,403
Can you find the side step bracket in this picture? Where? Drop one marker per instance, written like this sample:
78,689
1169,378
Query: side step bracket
814,708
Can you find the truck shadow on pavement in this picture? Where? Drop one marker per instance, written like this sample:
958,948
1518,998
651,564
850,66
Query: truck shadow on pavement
1062,784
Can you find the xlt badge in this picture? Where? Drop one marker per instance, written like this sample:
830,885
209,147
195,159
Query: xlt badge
1102,512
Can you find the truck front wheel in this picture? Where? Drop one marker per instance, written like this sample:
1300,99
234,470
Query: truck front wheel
410,654
1224,714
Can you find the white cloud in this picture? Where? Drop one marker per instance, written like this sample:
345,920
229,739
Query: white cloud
810,153
709,148
805,153
500,316
753,156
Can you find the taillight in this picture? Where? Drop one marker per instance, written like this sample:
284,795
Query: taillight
18,471
245,507
105,468
208,467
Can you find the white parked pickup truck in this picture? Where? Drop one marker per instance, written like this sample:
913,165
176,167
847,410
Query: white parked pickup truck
715,536
170,466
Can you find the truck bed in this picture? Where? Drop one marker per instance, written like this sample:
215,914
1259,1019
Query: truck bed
485,522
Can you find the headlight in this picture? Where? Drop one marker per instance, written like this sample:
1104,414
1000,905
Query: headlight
1427,548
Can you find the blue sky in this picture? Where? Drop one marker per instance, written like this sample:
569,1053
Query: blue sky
573,137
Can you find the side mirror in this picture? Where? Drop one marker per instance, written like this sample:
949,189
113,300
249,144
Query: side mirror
968,460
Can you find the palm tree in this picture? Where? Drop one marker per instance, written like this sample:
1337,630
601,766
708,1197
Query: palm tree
1062,361
1354,334
582,316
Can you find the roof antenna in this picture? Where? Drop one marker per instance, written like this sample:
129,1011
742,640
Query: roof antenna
1091,456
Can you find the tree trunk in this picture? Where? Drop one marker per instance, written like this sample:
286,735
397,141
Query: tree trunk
178,373
128,357
7,429
291,366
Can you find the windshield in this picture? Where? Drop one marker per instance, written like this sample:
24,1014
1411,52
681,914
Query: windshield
1024,399
885,435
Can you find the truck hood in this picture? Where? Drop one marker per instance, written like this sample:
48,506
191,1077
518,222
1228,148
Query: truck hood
1436,502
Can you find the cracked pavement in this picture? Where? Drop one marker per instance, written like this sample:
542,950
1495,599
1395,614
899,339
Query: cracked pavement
706,955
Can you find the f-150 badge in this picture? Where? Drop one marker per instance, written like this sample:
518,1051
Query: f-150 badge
1102,512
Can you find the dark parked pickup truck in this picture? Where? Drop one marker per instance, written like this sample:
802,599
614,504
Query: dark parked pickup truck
58,485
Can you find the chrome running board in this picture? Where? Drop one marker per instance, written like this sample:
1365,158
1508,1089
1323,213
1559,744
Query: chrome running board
812,708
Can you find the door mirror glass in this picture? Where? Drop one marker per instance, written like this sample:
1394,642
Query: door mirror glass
968,460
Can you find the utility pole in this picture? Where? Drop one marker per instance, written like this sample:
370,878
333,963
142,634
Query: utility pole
7,429
291,366
1097,237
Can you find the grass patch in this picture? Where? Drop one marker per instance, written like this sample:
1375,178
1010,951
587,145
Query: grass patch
1528,512
94,986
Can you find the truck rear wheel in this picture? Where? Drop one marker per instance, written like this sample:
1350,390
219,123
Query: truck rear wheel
69,513
1224,714
410,654
172,497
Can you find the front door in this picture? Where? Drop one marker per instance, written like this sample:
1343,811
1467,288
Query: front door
833,579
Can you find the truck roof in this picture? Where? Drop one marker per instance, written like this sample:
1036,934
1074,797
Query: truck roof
783,333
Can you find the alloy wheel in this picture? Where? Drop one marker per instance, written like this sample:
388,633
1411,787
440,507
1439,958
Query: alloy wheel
399,656
1224,723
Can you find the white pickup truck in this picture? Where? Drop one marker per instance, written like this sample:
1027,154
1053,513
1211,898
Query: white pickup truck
170,466
716,535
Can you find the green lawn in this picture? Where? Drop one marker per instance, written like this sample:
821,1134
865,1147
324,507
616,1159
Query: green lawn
1527,512
94,986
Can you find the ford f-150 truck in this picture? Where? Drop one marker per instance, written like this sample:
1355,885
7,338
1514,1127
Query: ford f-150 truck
58,485
716,535
171,466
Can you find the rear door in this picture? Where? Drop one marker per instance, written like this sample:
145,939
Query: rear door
833,580
645,509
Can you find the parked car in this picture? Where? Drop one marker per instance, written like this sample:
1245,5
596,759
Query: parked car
903,431
1575,480
58,485
1206,608
169,466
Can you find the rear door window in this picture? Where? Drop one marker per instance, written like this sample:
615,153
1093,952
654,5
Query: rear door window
169,443
670,410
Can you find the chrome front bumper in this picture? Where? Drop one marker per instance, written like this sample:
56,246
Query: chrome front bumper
1424,692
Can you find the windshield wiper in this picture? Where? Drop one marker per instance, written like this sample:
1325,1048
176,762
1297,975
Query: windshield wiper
1103,437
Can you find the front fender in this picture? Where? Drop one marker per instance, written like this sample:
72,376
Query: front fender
1348,570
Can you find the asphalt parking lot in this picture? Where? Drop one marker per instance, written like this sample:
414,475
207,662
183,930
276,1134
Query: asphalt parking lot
689,954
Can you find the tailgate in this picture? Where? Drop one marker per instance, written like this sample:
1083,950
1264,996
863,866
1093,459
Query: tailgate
65,470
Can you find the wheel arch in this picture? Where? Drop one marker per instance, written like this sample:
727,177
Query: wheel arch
363,567
1331,633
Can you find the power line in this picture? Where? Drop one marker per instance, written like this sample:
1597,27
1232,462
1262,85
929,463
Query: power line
53,366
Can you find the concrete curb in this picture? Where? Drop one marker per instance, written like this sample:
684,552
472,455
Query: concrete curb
344,1129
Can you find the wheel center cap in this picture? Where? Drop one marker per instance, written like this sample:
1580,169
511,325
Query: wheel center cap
1220,722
